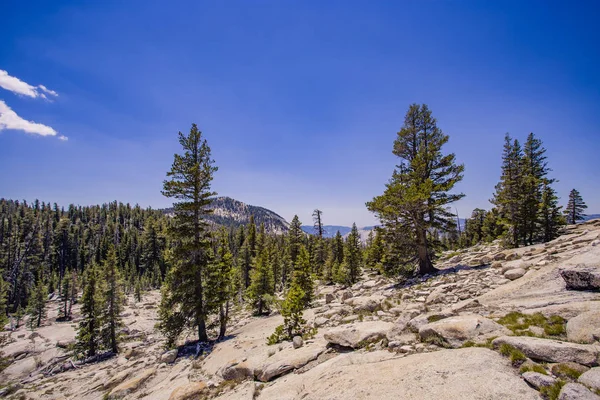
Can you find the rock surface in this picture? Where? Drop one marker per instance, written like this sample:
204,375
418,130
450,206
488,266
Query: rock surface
584,328
581,277
131,385
188,392
473,373
552,350
591,378
455,331
575,391
538,380
358,334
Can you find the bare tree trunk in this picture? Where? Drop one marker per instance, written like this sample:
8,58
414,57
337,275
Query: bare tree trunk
425,264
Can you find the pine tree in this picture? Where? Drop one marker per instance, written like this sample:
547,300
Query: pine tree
262,283
88,332
318,222
575,208
3,303
508,198
112,302
295,235
302,276
353,259
184,302
66,295
220,285
374,250
550,216
138,290
37,305
417,195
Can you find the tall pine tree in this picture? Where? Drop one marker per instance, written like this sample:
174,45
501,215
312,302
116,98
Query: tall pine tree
575,208
416,198
184,301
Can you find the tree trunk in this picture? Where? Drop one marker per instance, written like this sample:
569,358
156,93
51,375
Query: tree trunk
202,336
425,264
223,315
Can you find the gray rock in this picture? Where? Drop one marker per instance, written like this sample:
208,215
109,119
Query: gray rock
329,298
358,334
591,378
286,361
552,350
169,357
515,273
581,277
576,391
454,331
584,328
236,370
367,303
421,320
297,342
538,380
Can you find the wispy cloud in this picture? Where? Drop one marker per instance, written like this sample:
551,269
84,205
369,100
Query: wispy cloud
10,120
17,86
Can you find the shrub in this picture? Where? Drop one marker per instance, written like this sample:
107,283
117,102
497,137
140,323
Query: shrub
552,392
533,368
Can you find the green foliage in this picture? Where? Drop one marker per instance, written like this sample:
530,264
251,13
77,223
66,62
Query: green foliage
184,302
552,392
416,198
262,283
520,323
3,303
515,355
533,368
564,371
302,276
575,207
36,308
110,288
291,310
88,332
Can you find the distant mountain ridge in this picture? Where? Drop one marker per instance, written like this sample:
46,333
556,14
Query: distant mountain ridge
229,212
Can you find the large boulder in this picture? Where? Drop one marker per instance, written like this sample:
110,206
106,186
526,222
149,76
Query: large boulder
131,385
423,319
289,360
591,378
236,370
576,391
169,357
581,277
454,331
515,273
358,334
584,328
552,350
366,303
469,373
192,390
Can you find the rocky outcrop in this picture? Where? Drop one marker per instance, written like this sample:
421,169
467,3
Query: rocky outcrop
455,331
192,390
169,357
591,378
576,391
552,350
131,385
288,360
358,334
581,277
515,273
367,303
471,373
236,370
584,328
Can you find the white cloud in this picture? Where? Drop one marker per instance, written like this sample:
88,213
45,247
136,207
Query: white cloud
10,120
63,138
17,86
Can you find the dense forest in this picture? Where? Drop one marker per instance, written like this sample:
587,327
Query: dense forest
205,268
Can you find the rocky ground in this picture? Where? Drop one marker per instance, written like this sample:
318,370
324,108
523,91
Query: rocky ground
493,324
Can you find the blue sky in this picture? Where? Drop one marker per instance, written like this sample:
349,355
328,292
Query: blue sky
299,100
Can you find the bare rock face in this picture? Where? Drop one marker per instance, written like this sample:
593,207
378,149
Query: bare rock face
188,392
584,328
368,303
538,380
576,391
297,342
454,331
131,385
581,277
591,378
552,350
169,357
288,360
357,334
470,373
